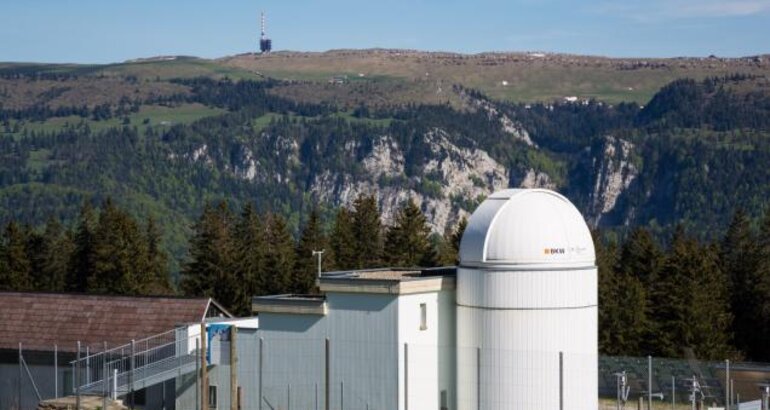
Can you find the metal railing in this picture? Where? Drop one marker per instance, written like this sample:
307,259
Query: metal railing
114,371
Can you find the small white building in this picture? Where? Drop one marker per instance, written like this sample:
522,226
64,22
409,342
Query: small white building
372,335
513,327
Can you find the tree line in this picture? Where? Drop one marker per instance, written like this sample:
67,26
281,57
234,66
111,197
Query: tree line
107,251
713,298
236,256
232,255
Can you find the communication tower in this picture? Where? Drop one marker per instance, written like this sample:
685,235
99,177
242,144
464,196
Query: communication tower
265,44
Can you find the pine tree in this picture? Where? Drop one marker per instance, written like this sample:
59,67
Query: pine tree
737,256
210,270
407,242
343,242
306,264
640,256
57,249
250,251
757,346
157,280
279,261
367,231
80,266
16,274
119,254
690,306
449,248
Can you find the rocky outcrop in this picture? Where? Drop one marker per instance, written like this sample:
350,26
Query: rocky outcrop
461,175
614,173
509,126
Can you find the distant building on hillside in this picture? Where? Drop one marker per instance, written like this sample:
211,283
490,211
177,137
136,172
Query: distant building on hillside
265,44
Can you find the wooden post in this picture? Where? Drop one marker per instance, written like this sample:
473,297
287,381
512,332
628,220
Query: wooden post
234,405
204,370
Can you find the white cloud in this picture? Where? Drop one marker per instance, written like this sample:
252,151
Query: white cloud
657,10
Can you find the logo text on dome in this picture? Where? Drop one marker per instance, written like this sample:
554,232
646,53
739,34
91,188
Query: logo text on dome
554,251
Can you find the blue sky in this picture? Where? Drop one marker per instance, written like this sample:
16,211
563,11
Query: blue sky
100,31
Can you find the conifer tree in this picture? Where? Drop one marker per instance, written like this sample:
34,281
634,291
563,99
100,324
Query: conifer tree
690,306
407,242
640,256
80,266
57,249
738,260
279,260
367,231
157,280
119,253
306,264
449,245
16,273
757,346
210,268
343,242
250,251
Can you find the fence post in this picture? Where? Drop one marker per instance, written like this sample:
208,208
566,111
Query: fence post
55,371
342,395
105,378
478,378
649,382
197,375
288,397
20,376
233,369
131,374
76,376
406,376
727,384
673,392
204,368
115,383
328,383
561,380
261,358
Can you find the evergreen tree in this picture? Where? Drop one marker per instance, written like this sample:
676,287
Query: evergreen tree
343,242
57,250
367,231
449,248
306,264
119,254
407,242
16,273
279,261
760,297
210,269
690,306
250,244
737,256
80,266
640,256
157,277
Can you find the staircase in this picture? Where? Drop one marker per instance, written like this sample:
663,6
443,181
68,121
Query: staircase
138,364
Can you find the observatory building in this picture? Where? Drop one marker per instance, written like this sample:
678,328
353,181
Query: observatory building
513,327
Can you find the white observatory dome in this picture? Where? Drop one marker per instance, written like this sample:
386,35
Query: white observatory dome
527,227
527,333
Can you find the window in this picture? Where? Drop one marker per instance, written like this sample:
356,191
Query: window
423,316
213,397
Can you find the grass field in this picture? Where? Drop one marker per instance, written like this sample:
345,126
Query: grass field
154,114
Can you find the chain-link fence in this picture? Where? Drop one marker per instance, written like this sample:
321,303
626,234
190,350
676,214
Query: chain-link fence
286,373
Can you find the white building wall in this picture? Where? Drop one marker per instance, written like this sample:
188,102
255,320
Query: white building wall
430,349
508,349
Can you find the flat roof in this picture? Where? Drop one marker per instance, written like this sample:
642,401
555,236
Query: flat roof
290,303
389,280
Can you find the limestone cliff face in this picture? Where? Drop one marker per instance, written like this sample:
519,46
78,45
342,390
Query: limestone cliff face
614,173
461,176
